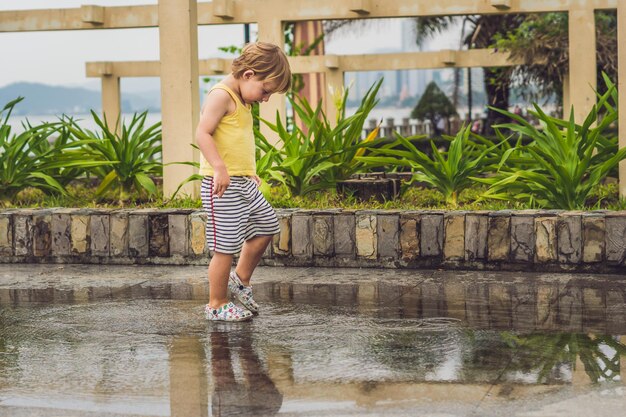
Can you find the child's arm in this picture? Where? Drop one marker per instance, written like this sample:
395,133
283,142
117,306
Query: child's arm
215,107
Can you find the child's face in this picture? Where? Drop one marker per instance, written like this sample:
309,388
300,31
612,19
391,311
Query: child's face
255,90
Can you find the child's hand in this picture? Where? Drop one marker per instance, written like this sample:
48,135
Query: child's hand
221,181
257,180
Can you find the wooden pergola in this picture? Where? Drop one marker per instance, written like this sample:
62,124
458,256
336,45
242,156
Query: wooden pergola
179,67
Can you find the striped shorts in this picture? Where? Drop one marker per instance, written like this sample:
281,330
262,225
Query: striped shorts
239,215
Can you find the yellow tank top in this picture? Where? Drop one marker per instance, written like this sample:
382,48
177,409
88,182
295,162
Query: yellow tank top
234,139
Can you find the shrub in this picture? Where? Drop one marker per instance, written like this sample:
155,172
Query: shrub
37,158
132,156
562,163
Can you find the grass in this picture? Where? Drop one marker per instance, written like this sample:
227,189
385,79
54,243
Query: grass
603,197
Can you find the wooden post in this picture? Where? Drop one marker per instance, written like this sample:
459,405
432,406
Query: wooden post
111,99
271,30
334,82
180,97
582,61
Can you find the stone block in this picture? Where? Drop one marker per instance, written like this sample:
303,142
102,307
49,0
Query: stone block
6,234
366,235
23,233
594,239
499,237
178,232
281,242
99,228
388,232
523,238
159,239
61,233
431,235
323,240
545,239
476,227
344,227
615,239
301,230
454,236
118,233
138,242
569,238
42,233
197,223
80,233
410,236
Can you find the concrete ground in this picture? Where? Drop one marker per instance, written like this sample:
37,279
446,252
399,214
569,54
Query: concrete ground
87,340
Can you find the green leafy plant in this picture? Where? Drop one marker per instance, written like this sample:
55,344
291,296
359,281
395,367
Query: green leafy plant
448,172
613,104
317,155
562,163
34,158
133,154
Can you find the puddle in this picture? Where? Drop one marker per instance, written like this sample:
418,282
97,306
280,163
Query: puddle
431,348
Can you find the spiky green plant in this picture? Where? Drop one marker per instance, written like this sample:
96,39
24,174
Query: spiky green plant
38,157
450,172
562,163
134,154
320,153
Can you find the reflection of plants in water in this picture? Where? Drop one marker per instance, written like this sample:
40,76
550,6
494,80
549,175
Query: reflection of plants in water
545,352
485,356
416,347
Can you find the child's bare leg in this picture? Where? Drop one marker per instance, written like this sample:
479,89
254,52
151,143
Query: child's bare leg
219,269
251,254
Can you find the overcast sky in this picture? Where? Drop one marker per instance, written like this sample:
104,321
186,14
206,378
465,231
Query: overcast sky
58,57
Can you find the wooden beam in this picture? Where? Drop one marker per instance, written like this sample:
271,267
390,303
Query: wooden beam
72,19
321,63
248,11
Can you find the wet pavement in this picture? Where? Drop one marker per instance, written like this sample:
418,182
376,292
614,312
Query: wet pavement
79,340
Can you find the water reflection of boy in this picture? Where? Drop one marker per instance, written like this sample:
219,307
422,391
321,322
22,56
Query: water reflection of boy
257,395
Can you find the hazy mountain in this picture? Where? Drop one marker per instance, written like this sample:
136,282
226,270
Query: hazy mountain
41,99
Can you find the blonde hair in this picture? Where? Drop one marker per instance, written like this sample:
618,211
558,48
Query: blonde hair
268,62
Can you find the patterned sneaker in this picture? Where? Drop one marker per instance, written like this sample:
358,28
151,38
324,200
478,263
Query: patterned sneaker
242,293
227,312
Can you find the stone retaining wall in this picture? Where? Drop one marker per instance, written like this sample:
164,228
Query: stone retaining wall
507,240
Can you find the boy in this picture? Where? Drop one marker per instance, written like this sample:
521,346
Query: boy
239,218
